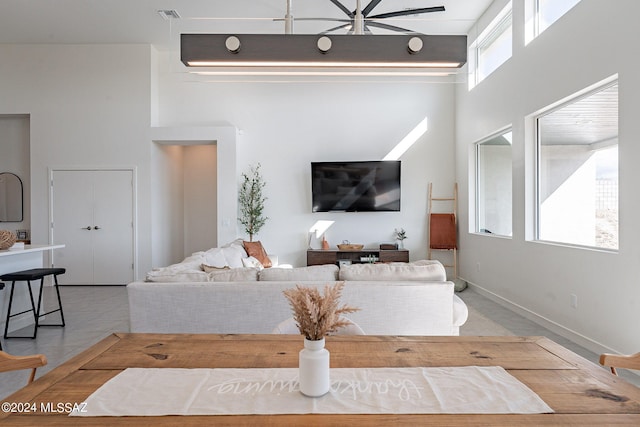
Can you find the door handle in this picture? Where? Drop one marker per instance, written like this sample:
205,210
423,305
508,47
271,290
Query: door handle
86,228
96,228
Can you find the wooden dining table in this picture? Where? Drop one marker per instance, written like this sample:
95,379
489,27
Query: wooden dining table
579,391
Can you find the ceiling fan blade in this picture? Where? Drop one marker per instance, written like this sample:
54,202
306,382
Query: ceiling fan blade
408,12
372,4
339,27
315,19
343,8
390,27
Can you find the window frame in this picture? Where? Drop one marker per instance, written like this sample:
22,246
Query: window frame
533,18
594,89
478,199
488,36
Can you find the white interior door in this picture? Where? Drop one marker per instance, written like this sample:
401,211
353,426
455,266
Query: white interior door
92,214
72,222
113,227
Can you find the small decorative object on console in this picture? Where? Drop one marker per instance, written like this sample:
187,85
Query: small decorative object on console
400,236
388,246
7,239
346,246
325,244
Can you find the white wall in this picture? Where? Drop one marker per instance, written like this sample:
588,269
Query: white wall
88,106
200,201
538,278
167,198
286,126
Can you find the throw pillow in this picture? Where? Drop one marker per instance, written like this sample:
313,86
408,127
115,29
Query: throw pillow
256,250
233,253
213,269
214,257
252,262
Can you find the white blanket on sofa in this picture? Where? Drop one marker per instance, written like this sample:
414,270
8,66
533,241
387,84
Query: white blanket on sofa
190,270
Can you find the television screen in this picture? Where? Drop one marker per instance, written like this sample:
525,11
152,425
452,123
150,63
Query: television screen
355,186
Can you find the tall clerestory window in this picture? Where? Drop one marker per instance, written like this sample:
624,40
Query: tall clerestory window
541,14
492,48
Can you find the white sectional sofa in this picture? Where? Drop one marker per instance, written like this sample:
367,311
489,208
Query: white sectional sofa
394,299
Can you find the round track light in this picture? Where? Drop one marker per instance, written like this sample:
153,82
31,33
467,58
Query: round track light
415,45
324,44
233,44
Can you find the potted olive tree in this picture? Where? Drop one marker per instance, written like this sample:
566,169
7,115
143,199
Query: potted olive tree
251,202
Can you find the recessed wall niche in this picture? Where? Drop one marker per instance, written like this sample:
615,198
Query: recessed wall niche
194,190
15,158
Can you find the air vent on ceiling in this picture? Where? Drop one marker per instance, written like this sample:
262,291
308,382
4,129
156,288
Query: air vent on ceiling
169,14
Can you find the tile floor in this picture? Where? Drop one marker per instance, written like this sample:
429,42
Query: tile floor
93,312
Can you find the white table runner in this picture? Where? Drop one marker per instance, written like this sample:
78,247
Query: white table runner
450,390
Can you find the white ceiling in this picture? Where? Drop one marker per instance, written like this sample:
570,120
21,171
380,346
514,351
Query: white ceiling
137,21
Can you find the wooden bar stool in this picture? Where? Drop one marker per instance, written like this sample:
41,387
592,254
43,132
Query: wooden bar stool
28,276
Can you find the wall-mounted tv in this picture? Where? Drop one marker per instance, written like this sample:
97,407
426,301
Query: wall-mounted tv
355,186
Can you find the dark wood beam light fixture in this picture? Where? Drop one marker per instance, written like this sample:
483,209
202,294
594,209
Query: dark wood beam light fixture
415,51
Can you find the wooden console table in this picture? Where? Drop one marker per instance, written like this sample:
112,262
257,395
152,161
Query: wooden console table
319,256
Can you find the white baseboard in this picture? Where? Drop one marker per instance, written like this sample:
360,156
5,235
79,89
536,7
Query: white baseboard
555,327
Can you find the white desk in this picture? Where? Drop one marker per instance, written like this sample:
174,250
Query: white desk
12,260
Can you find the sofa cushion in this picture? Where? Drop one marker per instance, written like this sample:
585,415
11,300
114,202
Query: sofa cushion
256,250
177,276
247,274
327,272
396,271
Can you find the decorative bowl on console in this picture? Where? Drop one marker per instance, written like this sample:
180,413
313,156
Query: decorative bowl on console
7,239
350,247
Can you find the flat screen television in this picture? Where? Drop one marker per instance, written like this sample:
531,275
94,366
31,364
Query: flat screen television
355,186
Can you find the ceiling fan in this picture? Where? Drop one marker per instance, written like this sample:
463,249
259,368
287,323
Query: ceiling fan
360,20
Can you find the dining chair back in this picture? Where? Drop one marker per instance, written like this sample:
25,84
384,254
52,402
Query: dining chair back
9,362
613,361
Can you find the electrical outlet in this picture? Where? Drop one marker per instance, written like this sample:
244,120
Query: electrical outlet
478,267
574,301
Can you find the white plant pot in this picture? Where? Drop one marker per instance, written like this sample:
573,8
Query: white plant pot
313,369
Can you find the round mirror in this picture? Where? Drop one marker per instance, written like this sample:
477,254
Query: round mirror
10,198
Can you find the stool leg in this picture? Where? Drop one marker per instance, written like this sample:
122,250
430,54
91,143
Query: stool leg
33,310
36,313
41,309
6,324
55,279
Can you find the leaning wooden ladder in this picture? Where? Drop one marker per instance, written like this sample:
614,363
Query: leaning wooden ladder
443,228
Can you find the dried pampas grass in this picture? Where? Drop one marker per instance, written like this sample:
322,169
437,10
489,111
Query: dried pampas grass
316,315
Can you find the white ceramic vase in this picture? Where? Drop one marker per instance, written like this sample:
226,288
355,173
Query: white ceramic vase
313,369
